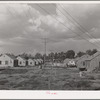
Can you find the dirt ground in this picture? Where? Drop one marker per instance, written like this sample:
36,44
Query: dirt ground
48,79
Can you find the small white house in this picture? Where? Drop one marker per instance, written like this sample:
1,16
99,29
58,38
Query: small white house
90,63
31,62
7,60
39,61
22,61
36,62
69,62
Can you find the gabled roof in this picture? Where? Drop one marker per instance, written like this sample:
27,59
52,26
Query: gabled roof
22,57
94,56
31,59
35,60
11,56
39,60
86,56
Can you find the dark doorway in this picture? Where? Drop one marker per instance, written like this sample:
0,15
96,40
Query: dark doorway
99,65
15,63
26,63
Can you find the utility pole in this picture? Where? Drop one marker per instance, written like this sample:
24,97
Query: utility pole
45,50
45,46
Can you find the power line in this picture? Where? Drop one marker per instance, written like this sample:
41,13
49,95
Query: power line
65,26
77,23
79,27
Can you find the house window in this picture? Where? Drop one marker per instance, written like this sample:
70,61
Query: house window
6,62
83,63
0,62
30,62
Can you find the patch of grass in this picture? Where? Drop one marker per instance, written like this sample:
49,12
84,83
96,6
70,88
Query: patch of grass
3,82
77,85
14,71
28,84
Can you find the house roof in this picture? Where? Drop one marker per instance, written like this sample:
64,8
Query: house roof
32,59
86,56
35,60
22,57
11,56
39,60
94,56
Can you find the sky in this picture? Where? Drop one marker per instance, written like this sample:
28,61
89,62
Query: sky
23,27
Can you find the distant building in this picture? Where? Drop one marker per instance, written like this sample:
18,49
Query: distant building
36,62
22,62
80,61
69,62
7,60
31,62
90,62
93,62
41,61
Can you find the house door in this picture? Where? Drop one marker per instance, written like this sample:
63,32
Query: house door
99,64
26,62
15,63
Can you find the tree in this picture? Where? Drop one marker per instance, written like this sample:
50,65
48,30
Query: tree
56,56
91,52
79,54
51,56
38,55
94,51
24,55
70,54
62,56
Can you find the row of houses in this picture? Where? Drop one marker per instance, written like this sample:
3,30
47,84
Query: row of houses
89,62
12,61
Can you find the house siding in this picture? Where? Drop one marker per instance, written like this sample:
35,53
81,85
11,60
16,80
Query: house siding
31,62
81,61
94,63
6,61
21,61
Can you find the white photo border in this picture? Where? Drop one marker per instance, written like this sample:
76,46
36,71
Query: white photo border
49,94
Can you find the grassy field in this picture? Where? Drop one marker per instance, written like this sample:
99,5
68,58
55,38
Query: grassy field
48,79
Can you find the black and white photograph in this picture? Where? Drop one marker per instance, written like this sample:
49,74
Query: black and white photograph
50,46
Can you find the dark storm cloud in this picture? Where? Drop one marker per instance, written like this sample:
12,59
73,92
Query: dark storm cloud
24,25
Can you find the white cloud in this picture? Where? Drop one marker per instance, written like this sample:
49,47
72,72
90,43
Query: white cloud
94,40
22,24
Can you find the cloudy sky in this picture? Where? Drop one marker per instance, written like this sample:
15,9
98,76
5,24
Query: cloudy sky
23,27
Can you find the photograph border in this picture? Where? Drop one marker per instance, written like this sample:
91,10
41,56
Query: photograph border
48,94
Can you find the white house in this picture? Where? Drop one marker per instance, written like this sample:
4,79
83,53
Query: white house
80,62
22,61
41,61
91,63
31,62
36,62
69,62
7,60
